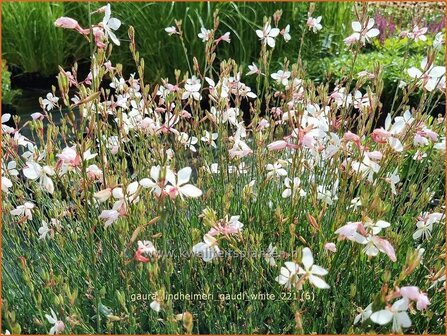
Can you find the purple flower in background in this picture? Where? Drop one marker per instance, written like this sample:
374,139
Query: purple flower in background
436,27
385,25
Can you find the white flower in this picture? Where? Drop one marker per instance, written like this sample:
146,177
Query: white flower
438,40
267,35
269,255
396,313
425,225
209,138
110,24
171,30
34,171
286,33
10,168
23,210
187,141
362,33
281,77
153,182
364,314
204,34
192,88
50,102
293,188
110,216
311,271
180,186
131,195
5,128
155,305
208,249
440,145
429,77
275,170
355,203
43,230
376,227
58,326
288,276
393,178
6,184
326,195
147,247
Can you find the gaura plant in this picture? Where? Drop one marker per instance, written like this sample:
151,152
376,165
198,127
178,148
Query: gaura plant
202,205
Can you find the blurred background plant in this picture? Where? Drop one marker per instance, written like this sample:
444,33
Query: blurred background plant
8,94
34,49
32,45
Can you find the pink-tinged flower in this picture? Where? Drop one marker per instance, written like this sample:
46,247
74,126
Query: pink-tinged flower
414,294
263,124
349,230
416,35
58,325
94,172
24,211
103,195
267,35
349,136
227,227
254,70
171,30
366,74
240,149
422,301
410,292
66,22
330,247
140,257
180,186
69,157
225,37
37,116
375,244
144,247
69,23
99,35
314,24
351,39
